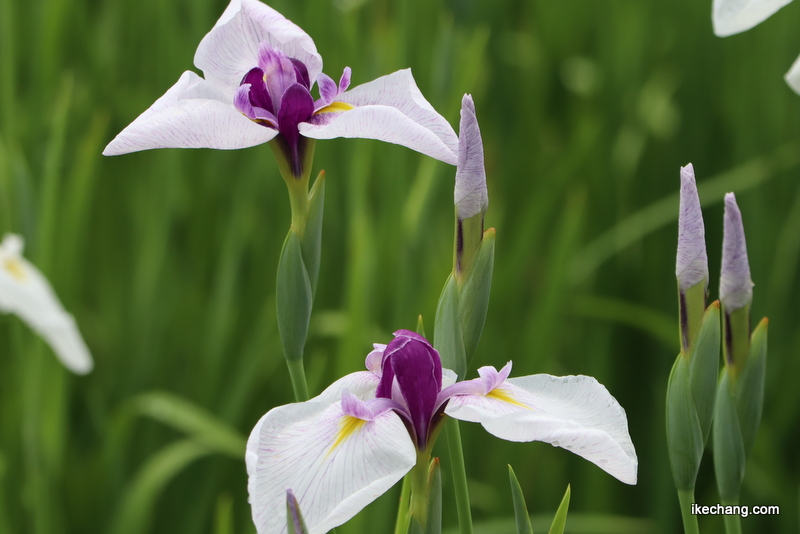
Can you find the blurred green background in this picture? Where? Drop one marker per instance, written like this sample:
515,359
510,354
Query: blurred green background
167,258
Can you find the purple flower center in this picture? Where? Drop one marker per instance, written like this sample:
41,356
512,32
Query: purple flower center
277,94
412,377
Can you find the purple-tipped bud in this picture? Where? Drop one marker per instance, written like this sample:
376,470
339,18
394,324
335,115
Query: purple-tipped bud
735,286
293,515
471,196
691,265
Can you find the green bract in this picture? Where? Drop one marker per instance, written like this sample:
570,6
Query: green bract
690,400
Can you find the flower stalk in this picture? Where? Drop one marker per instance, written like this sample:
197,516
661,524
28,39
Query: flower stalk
298,268
740,392
692,382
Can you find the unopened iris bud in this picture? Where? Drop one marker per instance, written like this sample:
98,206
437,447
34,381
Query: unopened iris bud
691,265
735,287
470,196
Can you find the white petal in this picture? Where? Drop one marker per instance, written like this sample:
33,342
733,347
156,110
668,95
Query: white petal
735,16
230,49
193,113
334,464
362,384
573,412
25,292
391,109
793,76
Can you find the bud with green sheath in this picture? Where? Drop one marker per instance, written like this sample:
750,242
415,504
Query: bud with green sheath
740,392
692,382
462,307
464,301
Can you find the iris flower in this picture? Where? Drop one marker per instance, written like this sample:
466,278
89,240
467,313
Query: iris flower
259,69
735,16
25,292
342,449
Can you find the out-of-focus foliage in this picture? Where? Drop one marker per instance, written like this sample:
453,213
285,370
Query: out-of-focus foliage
168,258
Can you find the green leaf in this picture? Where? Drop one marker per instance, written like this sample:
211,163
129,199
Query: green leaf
293,297
473,298
560,520
434,498
520,509
420,326
293,515
750,386
312,237
685,441
447,336
186,417
729,453
139,499
704,367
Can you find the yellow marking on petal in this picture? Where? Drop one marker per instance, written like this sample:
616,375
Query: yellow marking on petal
348,426
15,269
336,107
505,396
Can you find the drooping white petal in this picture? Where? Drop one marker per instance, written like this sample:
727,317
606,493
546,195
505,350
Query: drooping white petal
735,16
230,49
25,292
390,109
573,412
793,76
335,464
193,113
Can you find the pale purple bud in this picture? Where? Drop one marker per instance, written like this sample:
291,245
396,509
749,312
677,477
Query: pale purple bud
691,265
471,196
735,285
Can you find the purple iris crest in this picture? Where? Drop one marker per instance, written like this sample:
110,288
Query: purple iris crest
277,95
411,360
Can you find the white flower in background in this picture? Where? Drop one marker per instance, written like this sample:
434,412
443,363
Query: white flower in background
735,16
24,291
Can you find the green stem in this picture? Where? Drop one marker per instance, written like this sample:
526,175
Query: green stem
299,201
298,376
733,523
419,487
403,516
459,477
686,498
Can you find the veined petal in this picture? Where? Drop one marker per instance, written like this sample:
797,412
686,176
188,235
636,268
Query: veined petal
691,265
471,195
334,463
230,49
390,109
735,16
793,76
193,113
25,292
573,412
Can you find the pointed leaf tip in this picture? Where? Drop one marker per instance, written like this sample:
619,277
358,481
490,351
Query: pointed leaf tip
735,287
